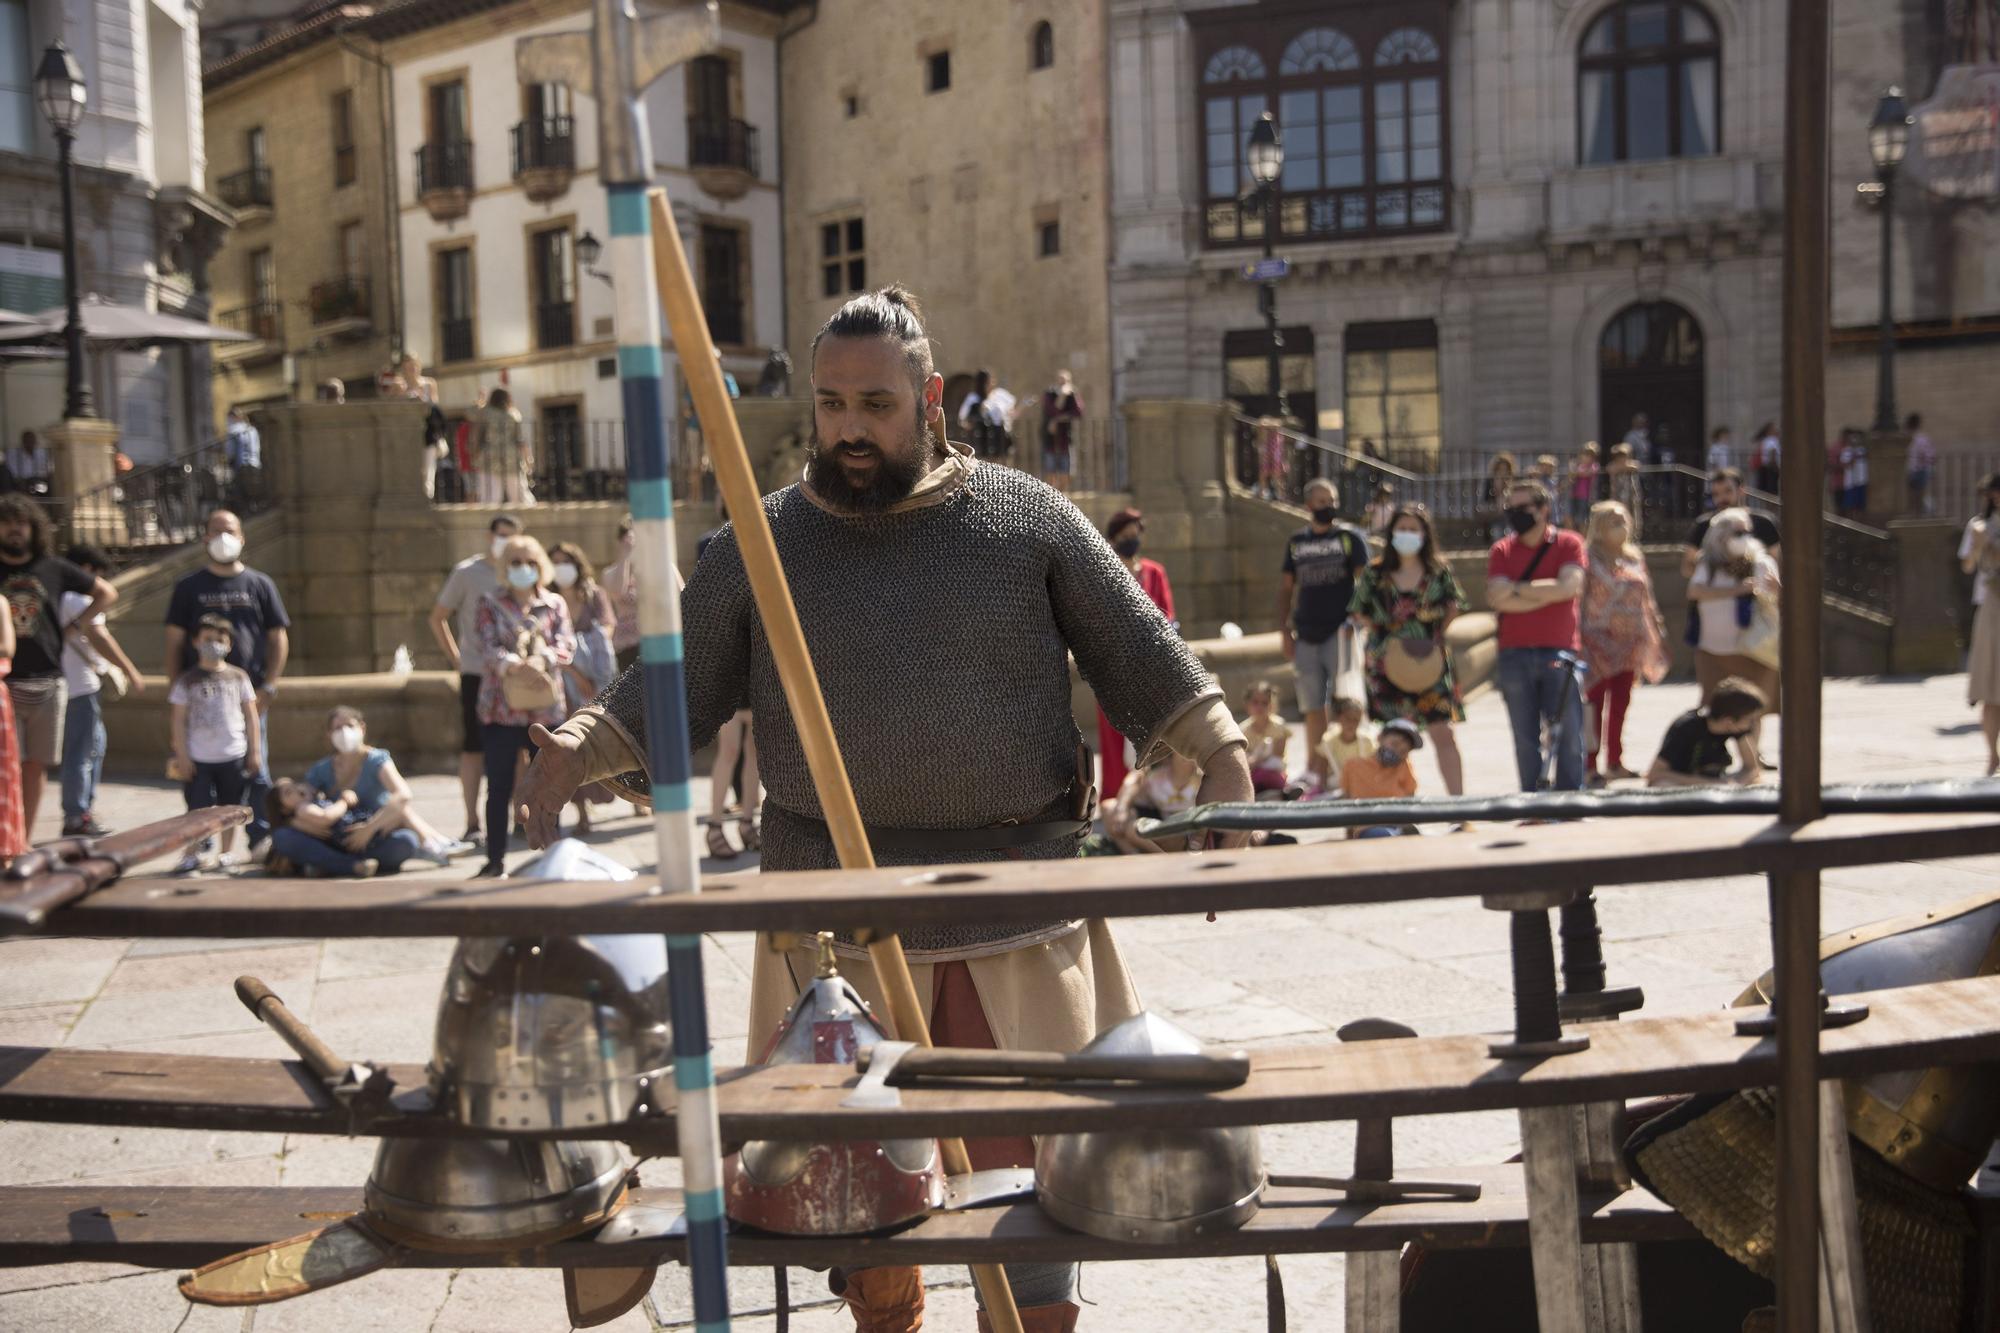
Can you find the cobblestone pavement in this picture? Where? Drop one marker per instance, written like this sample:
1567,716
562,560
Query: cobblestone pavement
1255,978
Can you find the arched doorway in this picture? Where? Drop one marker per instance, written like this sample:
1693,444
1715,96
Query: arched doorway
1649,361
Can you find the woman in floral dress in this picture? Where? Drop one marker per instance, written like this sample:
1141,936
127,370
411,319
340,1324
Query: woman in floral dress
1619,623
1404,600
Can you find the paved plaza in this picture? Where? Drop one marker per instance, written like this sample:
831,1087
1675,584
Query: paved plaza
1253,978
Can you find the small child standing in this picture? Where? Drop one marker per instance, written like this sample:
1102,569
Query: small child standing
215,732
1268,736
1345,739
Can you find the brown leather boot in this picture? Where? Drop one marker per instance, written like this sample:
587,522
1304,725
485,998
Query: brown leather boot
1058,1318
882,1300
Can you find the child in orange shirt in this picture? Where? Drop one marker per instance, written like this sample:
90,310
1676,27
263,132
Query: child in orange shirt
1387,774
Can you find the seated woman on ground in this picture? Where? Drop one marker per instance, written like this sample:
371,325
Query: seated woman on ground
389,830
337,819
1268,737
1166,788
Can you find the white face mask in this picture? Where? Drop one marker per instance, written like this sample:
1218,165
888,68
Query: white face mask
1407,543
565,575
224,547
498,546
212,651
347,739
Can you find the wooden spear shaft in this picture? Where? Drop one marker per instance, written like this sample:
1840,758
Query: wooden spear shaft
782,631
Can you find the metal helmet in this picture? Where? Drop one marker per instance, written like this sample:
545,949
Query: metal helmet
486,1193
1156,1186
548,1032
1934,1124
844,1188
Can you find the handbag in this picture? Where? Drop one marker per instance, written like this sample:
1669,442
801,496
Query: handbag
525,693
1759,640
1413,665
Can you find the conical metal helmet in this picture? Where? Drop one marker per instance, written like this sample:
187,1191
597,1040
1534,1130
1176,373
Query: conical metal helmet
1934,1124
482,1193
845,1188
1150,1185
551,1032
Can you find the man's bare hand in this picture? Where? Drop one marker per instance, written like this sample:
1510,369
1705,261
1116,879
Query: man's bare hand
549,784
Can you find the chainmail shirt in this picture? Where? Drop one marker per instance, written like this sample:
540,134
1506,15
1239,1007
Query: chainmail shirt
941,636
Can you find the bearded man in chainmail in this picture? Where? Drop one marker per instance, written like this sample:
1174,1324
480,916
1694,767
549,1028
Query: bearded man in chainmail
941,598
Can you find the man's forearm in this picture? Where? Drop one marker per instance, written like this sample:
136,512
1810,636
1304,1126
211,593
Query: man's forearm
277,651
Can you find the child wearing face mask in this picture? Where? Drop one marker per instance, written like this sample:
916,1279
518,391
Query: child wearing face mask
215,734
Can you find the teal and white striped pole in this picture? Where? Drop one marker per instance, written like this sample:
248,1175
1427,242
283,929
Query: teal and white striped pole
614,61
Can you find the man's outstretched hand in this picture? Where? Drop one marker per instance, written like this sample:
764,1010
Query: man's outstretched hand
549,784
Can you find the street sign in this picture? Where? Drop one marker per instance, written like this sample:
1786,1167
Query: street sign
1267,270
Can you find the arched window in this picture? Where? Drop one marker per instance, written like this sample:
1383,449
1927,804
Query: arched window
1650,363
1361,111
1233,62
1646,84
1407,46
1319,49
1042,46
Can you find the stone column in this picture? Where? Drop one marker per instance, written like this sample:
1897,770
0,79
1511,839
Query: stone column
81,467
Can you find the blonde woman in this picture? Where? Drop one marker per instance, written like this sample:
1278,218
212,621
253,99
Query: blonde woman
1733,573
1618,620
500,452
525,642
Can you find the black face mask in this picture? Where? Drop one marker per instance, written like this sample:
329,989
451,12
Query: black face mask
1325,514
1127,547
1522,520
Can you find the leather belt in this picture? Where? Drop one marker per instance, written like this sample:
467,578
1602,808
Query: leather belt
951,841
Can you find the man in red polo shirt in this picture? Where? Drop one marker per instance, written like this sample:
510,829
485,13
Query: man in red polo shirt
1533,580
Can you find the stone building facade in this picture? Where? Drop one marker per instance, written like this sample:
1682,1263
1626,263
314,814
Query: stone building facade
146,227
1509,227
496,184
296,127
959,150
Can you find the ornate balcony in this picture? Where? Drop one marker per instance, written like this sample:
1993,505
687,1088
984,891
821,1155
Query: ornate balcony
246,191
723,156
545,156
264,321
341,306
444,178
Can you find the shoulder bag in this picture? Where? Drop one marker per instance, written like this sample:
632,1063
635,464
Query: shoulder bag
529,693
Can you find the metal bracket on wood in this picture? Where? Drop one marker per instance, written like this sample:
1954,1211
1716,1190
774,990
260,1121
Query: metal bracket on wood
1584,994
1537,1016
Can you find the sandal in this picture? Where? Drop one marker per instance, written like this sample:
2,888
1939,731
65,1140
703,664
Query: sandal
752,832
718,844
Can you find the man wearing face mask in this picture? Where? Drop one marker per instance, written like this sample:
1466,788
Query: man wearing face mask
454,623
34,582
1313,595
1534,577
249,601
941,597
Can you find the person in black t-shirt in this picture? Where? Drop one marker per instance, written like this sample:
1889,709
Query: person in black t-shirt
1695,750
1317,584
34,582
260,643
1725,491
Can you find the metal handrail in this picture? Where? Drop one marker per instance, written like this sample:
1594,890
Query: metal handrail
152,510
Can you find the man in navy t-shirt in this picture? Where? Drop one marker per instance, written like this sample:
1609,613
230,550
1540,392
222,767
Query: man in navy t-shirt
249,601
1317,585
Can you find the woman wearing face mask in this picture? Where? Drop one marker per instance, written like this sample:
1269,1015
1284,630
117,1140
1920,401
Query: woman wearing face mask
621,583
525,641
1735,584
1405,600
392,832
1124,532
1619,625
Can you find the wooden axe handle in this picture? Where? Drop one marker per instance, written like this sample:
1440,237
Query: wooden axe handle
1200,1071
271,1011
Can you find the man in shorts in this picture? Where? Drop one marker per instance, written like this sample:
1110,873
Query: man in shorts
454,622
34,582
1318,583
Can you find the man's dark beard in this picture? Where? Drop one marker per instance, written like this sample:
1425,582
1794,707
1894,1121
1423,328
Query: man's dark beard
893,481
14,550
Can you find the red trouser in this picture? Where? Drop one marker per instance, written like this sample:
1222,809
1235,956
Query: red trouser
1617,691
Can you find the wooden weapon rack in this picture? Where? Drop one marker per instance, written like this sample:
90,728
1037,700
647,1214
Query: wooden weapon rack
1521,871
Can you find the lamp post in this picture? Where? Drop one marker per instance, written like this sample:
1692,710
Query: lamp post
1267,162
59,85
1888,140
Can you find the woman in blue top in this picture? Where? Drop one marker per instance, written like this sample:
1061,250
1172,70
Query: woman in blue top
391,832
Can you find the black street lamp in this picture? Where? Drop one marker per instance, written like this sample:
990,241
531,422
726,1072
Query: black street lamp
1888,140
1267,162
59,85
